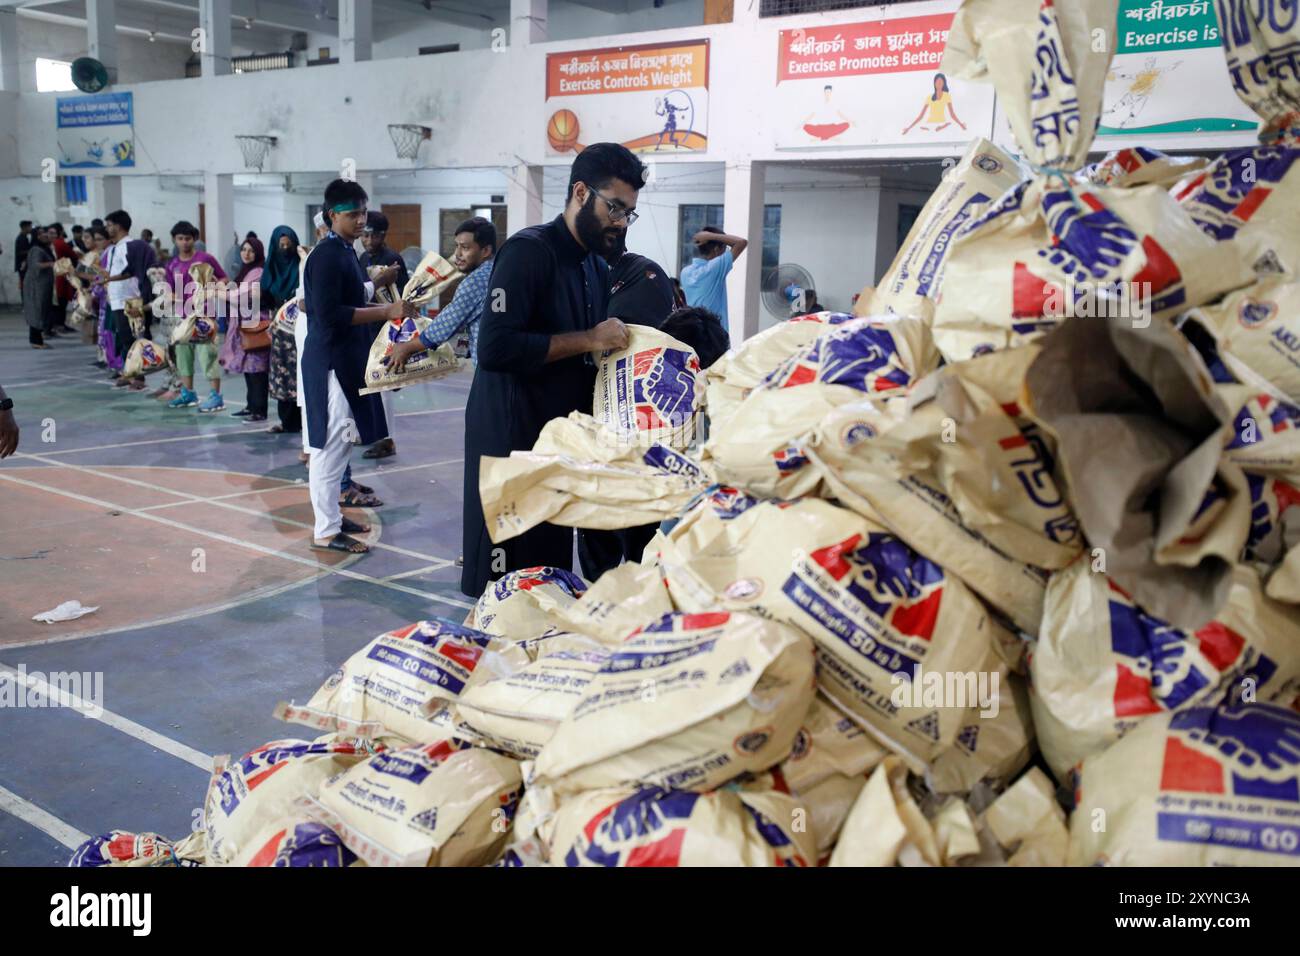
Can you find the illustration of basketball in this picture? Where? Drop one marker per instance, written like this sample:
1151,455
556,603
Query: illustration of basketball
562,131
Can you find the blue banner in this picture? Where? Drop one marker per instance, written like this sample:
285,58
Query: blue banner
96,131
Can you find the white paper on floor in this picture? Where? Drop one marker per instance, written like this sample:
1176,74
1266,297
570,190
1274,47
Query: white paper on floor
67,611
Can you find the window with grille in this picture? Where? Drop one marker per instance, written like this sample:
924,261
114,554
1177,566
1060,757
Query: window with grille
694,217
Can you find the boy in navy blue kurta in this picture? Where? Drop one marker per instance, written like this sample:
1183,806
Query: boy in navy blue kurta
333,362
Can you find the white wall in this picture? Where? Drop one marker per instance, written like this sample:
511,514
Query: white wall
139,61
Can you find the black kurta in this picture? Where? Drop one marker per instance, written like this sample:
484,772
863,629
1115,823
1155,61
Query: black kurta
335,287
544,283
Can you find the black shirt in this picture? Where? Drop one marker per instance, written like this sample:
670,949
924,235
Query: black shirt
387,257
640,293
22,246
543,283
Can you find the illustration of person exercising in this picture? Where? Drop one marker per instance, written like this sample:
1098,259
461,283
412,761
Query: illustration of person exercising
669,110
939,108
826,122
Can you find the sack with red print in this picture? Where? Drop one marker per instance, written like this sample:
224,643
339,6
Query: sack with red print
1053,246
655,827
1103,665
1203,786
522,604
650,392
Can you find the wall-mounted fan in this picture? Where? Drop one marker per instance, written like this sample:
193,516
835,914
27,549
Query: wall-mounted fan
89,75
784,287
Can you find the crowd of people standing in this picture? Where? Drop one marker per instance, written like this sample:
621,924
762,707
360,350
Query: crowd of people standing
298,323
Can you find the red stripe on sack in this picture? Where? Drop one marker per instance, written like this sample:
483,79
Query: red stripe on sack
1187,769
832,557
918,620
1250,205
1029,293
801,375
665,852
266,855
1160,269
1018,441
1132,694
1220,644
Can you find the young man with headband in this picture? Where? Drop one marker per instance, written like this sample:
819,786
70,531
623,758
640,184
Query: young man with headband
333,362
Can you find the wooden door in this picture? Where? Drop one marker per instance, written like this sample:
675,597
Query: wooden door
403,225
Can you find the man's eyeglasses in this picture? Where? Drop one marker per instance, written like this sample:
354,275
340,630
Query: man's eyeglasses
616,212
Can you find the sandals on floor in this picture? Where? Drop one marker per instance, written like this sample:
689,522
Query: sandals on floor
356,497
342,542
354,527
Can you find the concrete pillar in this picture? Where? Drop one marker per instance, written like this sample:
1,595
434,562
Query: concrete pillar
103,195
356,27
742,215
527,22
523,197
9,76
101,34
214,21
219,213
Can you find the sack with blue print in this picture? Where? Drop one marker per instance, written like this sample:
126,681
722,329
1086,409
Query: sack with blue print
1056,246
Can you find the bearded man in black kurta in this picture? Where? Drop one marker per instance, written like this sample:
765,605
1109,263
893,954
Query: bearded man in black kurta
544,313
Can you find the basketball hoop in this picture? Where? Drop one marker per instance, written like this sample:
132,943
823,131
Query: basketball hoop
255,149
407,138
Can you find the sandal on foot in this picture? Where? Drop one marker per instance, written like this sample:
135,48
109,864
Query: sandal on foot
354,497
341,542
384,448
354,527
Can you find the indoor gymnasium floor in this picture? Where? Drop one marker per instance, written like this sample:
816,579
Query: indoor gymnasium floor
190,532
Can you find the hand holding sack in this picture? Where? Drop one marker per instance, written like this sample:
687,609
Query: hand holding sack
581,474
651,392
1051,246
197,326
387,293
431,277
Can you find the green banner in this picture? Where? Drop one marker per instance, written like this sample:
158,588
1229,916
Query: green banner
1152,26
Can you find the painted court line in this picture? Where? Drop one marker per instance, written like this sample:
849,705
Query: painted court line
110,719
150,441
189,499
430,411
237,542
42,820
413,572
379,471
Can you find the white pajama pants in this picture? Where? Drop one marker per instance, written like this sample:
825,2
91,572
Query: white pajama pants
386,397
327,463
300,341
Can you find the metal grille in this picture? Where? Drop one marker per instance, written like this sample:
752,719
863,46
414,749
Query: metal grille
784,8
257,62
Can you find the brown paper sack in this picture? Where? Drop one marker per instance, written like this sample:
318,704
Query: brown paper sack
1052,247
423,366
1102,665
286,317
760,447
1249,199
1201,787
1140,434
430,278
1141,166
580,474
732,377
915,278
386,293
650,392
